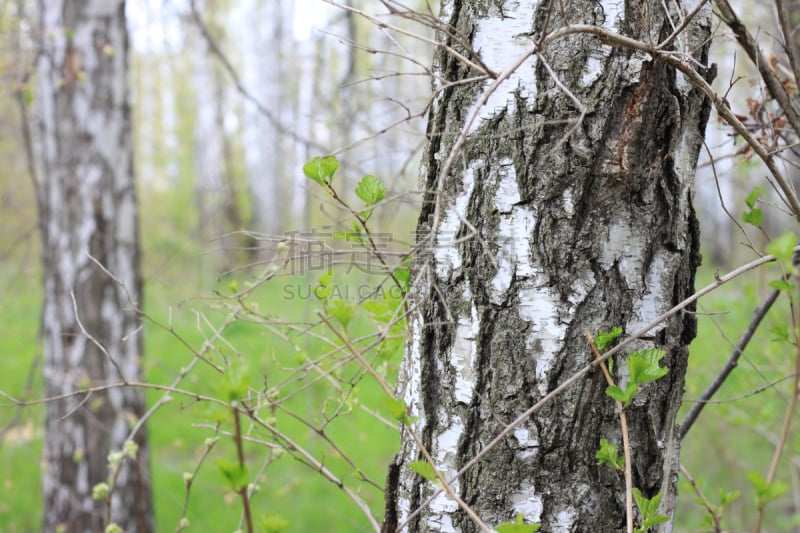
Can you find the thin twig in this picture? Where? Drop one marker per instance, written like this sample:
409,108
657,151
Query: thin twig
750,45
710,508
626,444
730,364
94,341
237,438
188,482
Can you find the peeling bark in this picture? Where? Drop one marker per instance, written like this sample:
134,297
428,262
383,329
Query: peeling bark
88,207
578,227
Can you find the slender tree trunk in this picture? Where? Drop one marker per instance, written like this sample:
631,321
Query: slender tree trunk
263,75
579,224
309,66
209,145
92,335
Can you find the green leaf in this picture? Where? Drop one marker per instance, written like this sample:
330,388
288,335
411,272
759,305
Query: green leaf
371,190
403,275
782,285
342,312
643,365
780,333
273,523
322,293
766,492
321,169
378,311
607,455
728,497
616,393
100,491
397,409
234,473
325,289
753,196
783,248
648,508
654,520
518,526
424,469
236,382
754,217
391,349
604,339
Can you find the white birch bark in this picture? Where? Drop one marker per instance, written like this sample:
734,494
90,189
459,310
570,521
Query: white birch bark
209,143
263,76
579,227
89,209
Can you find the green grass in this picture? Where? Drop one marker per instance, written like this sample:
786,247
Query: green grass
20,449
730,438
288,488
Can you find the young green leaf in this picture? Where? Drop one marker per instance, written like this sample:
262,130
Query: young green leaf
234,473
378,311
766,492
780,333
235,383
391,348
403,275
783,248
325,289
728,497
342,312
371,190
321,169
751,198
607,455
424,469
754,217
782,285
397,409
643,365
648,509
273,523
604,339
517,526
616,393
626,396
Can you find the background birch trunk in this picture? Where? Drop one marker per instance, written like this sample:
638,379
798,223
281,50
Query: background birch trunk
263,74
579,223
87,200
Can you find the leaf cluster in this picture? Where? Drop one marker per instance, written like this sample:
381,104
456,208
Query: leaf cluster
643,366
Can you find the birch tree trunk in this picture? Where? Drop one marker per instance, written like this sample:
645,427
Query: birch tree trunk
263,75
209,142
88,207
579,225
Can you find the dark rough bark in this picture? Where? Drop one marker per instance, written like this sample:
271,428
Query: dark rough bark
88,208
578,228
